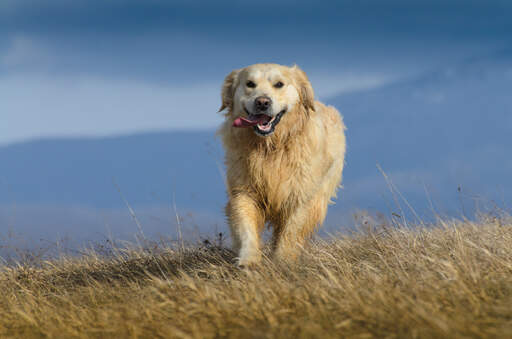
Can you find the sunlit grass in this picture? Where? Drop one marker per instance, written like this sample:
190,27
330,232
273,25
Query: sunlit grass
451,280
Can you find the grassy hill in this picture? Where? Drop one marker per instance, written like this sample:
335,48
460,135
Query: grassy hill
453,279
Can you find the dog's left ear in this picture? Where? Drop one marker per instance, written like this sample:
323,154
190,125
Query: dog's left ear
307,96
228,90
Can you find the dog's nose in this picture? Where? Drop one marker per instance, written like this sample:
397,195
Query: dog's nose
262,103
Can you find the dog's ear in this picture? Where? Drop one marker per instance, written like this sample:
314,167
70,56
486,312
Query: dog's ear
307,96
228,90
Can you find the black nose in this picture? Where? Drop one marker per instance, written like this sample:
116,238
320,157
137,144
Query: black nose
262,103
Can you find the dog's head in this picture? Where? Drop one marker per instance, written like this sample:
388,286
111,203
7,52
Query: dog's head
262,95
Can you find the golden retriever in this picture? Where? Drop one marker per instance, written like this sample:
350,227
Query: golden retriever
284,157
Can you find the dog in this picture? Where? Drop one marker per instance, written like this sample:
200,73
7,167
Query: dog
284,155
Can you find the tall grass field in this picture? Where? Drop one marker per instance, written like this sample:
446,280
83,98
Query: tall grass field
449,280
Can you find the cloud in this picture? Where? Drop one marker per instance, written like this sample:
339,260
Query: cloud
49,89
24,52
41,105
38,106
327,85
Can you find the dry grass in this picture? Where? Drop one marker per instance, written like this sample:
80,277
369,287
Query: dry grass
453,280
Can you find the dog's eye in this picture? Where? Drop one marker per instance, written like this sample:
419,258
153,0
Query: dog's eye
250,84
278,84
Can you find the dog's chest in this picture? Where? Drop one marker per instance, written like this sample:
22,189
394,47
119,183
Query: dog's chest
280,178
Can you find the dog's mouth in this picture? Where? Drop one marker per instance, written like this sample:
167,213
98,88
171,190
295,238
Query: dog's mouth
261,123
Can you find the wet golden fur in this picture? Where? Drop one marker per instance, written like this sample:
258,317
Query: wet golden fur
288,178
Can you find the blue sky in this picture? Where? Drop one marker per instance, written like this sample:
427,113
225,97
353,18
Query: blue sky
84,68
416,81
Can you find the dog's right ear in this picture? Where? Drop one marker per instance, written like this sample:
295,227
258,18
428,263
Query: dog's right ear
306,94
228,90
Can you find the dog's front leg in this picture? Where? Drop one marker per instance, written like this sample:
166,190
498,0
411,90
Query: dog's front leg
290,236
246,221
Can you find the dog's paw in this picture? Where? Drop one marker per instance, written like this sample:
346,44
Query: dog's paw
286,254
247,263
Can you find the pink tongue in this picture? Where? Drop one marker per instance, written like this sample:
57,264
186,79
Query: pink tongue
252,121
